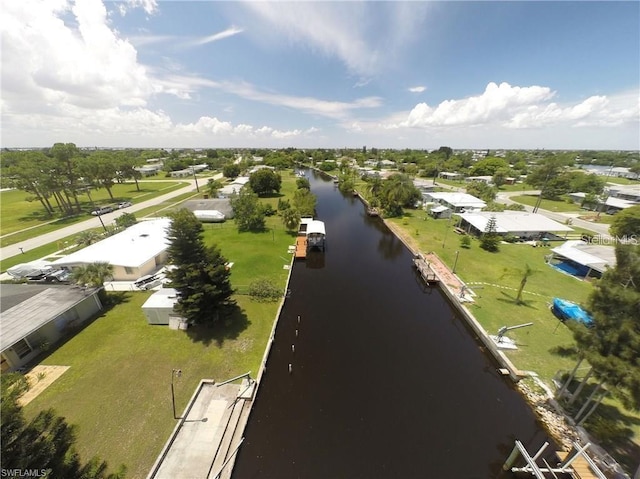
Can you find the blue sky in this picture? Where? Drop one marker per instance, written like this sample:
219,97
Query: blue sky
148,73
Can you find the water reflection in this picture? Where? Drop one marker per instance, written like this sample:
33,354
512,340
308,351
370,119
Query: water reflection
385,380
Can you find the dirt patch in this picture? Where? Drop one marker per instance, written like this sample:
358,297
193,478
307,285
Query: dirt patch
40,378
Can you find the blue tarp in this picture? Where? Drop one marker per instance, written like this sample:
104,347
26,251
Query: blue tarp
564,310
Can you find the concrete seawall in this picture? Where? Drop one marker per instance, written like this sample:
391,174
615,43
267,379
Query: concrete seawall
454,298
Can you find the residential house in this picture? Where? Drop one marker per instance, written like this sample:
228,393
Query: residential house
136,251
33,317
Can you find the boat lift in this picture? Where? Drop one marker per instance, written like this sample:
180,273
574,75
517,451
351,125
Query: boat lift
502,342
564,467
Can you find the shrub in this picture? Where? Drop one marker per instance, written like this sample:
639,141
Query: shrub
264,290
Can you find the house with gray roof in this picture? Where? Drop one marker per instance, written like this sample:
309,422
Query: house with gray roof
32,317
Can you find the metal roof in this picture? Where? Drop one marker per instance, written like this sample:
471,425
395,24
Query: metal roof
315,226
594,256
458,200
130,248
35,306
514,221
163,298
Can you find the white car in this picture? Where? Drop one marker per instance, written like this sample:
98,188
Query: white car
124,204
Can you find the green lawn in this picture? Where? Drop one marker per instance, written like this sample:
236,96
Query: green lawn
23,219
495,277
117,391
549,205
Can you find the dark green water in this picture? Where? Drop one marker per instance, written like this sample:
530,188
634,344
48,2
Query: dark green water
386,381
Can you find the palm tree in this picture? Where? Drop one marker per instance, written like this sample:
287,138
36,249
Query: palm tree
291,218
86,238
93,274
524,274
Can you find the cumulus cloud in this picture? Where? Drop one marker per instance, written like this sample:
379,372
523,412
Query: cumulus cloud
498,102
522,107
46,61
216,127
417,89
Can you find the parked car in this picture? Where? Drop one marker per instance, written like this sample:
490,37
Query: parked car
124,204
102,210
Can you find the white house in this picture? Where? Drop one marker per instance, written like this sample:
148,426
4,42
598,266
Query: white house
139,250
456,202
36,316
525,225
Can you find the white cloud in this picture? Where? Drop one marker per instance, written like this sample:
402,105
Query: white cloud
46,61
365,36
224,129
149,6
522,107
498,102
229,32
417,89
315,106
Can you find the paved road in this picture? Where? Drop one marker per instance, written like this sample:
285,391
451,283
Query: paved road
109,218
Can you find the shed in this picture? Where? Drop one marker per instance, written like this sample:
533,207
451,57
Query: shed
159,307
440,212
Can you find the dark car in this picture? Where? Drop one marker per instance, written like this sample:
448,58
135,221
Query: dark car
102,210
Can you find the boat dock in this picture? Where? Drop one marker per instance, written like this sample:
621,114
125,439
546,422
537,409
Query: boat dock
301,247
423,266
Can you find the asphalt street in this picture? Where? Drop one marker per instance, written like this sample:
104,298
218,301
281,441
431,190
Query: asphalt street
93,222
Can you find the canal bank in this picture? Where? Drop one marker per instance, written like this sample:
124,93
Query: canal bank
372,375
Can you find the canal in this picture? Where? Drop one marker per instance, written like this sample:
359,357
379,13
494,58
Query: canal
386,380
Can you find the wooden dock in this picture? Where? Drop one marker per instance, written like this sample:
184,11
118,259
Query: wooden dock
581,468
301,247
422,265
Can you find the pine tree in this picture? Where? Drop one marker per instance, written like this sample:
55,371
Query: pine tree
490,239
200,276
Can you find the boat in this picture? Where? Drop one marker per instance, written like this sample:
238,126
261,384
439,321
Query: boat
209,216
567,310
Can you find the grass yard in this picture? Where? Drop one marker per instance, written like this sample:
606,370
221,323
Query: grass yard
549,205
22,219
117,390
543,347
